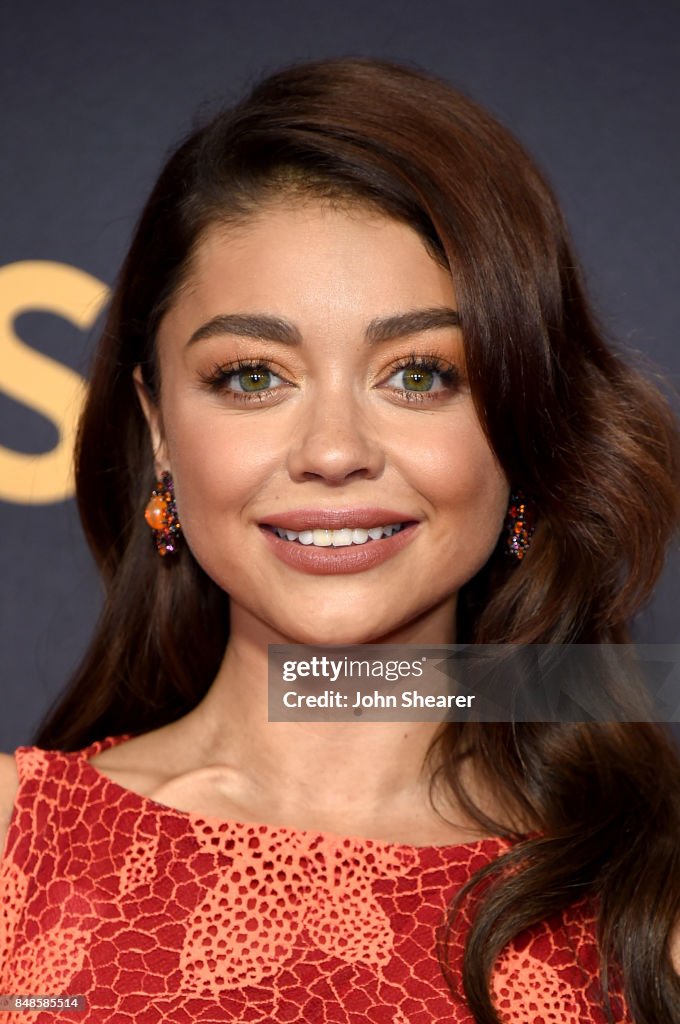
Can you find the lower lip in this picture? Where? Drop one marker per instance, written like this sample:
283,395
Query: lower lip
350,558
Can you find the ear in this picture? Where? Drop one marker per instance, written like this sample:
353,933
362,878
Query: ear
152,414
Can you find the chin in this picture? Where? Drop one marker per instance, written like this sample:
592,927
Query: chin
333,634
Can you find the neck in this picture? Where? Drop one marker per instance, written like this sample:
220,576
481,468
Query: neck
336,768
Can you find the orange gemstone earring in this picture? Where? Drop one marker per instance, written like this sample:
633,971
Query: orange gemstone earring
161,515
519,525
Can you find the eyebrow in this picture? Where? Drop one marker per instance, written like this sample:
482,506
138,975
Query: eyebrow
272,328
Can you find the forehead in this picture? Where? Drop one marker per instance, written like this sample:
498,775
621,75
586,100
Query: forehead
305,254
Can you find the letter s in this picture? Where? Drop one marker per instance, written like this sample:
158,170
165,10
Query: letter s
39,382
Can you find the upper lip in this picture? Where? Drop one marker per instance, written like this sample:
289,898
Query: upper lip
335,518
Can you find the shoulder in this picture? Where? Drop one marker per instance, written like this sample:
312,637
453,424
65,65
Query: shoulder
9,783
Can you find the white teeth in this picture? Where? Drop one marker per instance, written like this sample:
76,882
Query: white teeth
341,538
322,538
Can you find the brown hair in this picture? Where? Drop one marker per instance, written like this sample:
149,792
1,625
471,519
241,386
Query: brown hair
584,434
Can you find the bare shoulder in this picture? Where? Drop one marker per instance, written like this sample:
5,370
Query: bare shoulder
9,783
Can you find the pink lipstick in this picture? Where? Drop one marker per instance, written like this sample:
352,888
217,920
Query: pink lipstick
357,542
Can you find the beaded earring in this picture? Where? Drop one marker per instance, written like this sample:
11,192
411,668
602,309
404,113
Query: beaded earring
161,515
519,525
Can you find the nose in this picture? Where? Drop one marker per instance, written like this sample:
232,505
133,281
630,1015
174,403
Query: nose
334,440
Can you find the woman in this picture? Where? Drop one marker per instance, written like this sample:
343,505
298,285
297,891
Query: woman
351,381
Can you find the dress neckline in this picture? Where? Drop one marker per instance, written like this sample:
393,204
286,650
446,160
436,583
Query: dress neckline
487,845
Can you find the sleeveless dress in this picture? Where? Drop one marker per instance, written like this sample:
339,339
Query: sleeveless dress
160,916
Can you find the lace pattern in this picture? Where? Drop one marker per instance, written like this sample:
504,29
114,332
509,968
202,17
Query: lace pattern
157,915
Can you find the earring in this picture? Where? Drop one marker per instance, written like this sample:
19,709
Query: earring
161,515
519,525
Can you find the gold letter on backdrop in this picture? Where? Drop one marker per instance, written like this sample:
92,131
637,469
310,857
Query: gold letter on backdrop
39,382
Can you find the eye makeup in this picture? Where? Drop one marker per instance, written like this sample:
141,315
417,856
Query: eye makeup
432,378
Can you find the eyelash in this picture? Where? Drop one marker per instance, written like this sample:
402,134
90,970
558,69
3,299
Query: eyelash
449,374
217,378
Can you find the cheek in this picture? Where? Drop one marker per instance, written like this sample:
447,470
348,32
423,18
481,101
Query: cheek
464,482
217,466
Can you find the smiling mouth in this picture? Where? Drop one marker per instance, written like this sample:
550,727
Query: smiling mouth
344,537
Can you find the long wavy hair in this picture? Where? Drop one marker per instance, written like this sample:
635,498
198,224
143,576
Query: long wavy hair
585,434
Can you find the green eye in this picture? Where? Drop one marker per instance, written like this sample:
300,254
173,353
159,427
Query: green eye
418,379
425,378
254,380
243,381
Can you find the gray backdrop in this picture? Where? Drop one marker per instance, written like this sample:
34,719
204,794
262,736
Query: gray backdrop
94,94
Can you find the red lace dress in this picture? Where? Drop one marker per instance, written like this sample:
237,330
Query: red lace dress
157,915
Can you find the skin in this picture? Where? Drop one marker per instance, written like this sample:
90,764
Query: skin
335,429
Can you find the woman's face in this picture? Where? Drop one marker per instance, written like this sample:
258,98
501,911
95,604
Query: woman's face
300,390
